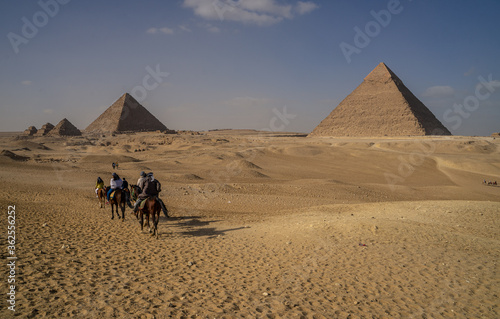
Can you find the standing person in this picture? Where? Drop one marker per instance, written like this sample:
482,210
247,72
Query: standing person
115,183
116,165
98,185
113,165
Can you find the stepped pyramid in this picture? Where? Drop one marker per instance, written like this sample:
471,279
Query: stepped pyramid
381,105
64,128
44,130
30,131
125,115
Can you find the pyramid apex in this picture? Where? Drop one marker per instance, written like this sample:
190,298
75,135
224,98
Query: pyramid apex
381,73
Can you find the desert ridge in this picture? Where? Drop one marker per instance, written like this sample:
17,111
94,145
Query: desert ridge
262,224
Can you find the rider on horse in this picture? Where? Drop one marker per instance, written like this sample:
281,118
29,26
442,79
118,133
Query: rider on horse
126,191
150,187
141,181
98,185
115,183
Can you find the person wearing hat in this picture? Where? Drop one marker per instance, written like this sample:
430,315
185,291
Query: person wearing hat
141,181
151,188
114,183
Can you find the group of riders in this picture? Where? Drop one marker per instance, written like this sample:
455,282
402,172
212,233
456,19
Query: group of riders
147,186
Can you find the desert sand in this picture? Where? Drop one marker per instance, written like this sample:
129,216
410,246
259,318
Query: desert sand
263,225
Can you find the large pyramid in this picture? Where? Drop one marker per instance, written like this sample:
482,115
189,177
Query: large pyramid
125,115
64,128
380,106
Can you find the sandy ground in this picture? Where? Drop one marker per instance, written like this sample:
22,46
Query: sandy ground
263,225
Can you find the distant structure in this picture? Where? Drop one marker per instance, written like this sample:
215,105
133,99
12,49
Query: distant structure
44,130
64,128
30,131
380,106
495,135
125,115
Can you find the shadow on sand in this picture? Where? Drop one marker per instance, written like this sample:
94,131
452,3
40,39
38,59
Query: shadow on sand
193,226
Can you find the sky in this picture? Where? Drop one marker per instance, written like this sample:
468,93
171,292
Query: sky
280,65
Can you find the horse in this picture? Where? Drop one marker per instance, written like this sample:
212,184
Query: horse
151,207
118,201
127,196
135,191
101,194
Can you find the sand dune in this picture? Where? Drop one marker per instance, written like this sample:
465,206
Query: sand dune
263,225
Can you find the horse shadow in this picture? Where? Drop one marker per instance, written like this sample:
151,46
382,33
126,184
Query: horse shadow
193,226
208,232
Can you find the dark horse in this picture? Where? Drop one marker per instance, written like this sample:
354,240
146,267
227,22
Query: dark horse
151,207
135,192
118,201
101,194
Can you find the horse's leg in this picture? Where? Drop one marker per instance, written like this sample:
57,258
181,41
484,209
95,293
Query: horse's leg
147,219
156,224
142,219
118,200
112,212
122,206
153,221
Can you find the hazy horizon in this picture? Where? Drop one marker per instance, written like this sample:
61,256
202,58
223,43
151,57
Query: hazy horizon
247,64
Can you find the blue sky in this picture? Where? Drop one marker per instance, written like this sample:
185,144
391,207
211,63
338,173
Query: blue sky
261,64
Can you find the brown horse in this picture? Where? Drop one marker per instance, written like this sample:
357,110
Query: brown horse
101,194
151,207
135,191
118,201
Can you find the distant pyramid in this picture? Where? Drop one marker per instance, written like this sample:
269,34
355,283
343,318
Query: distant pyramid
381,105
64,128
45,129
30,131
125,115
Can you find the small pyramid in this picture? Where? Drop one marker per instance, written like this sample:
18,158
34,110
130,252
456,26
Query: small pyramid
125,115
380,106
44,130
30,131
64,128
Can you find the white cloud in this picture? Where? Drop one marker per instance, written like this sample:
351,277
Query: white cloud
257,12
185,28
26,82
305,7
267,6
213,29
471,71
163,30
493,85
166,30
439,92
